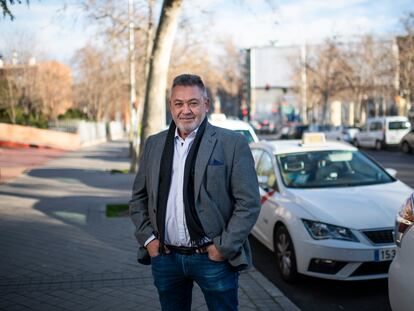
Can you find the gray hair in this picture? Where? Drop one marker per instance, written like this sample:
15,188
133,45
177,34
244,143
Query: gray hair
190,80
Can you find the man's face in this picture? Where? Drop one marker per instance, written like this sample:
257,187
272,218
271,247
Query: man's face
188,108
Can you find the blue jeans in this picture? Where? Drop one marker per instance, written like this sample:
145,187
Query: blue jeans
174,275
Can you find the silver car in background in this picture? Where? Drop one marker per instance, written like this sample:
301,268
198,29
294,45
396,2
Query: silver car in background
342,132
407,142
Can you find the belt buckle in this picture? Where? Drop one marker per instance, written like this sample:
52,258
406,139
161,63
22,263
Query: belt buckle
201,250
186,250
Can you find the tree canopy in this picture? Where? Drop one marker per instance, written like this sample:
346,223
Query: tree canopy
5,7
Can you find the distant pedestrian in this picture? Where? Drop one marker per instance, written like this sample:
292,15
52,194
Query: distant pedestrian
195,200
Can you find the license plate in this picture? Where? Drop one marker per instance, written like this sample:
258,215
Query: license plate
384,254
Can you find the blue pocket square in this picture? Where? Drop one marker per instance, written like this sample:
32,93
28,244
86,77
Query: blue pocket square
216,162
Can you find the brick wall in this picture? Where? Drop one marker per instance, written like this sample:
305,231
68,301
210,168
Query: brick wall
38,137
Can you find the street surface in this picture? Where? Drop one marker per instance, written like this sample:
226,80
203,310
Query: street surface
16,160
312,294
60,252
47,201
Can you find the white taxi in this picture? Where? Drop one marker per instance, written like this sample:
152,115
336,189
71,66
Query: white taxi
327,210
401,274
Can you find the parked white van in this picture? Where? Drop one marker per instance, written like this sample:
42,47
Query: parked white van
381,132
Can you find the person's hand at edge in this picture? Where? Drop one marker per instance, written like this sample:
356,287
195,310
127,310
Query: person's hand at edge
214,254
153,248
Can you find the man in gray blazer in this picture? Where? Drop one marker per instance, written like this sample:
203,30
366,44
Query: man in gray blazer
195,200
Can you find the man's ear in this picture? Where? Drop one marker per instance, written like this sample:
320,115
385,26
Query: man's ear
207,104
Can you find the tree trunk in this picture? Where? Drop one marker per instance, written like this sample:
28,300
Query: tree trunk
155,105
148,49
149,34
140,109
325,107
12,115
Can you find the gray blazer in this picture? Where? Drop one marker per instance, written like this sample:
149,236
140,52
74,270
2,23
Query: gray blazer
226,193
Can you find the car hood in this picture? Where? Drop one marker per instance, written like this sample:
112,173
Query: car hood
361,207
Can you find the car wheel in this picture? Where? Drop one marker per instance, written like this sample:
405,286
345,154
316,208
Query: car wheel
378,145
405,147
285,255
355,142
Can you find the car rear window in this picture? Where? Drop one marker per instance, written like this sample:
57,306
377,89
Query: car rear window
399,125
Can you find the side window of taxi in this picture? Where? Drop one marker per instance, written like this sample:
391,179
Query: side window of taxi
266,173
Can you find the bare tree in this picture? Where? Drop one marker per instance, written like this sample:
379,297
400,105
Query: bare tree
361,72
37,88
111,20
112,24
406,61
101,88
148,34
371,79
54,88
327,74
155,104
9,94
153,60
5,7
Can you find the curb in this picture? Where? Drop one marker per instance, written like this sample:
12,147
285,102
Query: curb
273,291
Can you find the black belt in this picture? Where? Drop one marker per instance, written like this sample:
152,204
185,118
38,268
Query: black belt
187,250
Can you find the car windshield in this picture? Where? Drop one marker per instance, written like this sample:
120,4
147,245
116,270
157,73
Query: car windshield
246,134
333,168
399,125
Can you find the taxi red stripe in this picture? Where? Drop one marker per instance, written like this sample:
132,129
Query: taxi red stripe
266,197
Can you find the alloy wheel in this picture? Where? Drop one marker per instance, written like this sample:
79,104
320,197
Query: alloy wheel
285,254
405,147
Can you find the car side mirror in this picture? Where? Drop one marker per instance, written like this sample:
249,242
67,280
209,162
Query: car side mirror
392,172
263,181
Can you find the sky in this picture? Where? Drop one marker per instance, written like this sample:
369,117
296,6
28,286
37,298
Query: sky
250,23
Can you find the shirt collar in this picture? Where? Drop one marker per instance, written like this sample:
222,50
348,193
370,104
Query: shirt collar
190,136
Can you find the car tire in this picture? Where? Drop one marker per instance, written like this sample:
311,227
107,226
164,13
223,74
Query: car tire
355,142
405,147
285,255
378,145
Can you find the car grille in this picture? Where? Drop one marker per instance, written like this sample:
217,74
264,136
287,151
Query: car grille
372,268
384,236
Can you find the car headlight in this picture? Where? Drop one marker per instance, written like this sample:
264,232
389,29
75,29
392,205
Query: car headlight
322,231
405,219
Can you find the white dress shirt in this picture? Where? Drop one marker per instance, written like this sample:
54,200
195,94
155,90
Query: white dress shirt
176,231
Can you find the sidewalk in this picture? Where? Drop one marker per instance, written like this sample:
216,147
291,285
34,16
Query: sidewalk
60,252
15,159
